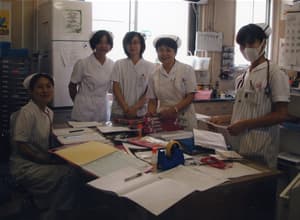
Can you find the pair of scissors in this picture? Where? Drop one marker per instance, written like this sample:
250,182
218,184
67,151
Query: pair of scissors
214,162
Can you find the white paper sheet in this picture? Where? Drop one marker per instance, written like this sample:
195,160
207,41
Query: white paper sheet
115,181
193,178
156,192
80,138
114,162
237,170
209,139
71,131
111,129
159,195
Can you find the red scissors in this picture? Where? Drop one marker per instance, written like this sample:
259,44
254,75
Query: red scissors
214,162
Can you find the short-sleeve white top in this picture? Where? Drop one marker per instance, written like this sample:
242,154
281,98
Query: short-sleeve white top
133,79
33,126
252,102
94,82
170,88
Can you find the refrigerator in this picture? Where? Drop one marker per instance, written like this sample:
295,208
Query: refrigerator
64,29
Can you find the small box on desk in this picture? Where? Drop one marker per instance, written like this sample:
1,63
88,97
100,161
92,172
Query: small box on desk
203,95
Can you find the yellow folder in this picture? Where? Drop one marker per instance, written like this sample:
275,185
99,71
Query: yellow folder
85,153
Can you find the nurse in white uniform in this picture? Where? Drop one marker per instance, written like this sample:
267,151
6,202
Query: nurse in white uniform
55,186
173,85
90,81
262,96
130,79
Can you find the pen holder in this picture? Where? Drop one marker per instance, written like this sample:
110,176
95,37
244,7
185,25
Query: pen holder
175,158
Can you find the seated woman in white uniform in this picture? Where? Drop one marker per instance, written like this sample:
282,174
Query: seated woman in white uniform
54,185
172,85
90,81
262,96
130,79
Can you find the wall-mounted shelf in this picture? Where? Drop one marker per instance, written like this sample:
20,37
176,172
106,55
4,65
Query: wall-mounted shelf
227,63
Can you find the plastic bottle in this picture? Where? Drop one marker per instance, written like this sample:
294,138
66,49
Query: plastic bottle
217,89
140,130
154,159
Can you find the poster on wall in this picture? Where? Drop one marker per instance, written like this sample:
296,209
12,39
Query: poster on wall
5,21
290,47
73,21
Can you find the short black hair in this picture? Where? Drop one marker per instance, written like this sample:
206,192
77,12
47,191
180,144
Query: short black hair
128,39
168,42
248,34
36,77
97,36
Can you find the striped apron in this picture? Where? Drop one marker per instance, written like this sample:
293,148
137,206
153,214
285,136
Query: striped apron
260,143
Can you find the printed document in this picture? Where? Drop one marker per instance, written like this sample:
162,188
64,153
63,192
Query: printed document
236,170
78,135
156,192
209,139
113,162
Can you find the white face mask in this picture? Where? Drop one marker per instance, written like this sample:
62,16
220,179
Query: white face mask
252,54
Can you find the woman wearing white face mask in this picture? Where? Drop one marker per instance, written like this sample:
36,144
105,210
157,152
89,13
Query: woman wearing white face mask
262,96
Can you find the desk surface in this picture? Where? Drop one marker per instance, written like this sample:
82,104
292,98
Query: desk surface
248,197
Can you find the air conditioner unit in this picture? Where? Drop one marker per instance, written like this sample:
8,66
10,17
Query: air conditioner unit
199,2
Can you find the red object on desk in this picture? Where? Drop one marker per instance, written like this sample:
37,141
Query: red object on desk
144,143
202,95
155,124
214,162
131,123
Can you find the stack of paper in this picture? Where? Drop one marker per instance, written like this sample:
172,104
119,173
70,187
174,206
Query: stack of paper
173,135
148,141
113,129
100,159
156,192
209,139
84,124
78,135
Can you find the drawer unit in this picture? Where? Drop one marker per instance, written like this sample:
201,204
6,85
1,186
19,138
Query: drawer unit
13,70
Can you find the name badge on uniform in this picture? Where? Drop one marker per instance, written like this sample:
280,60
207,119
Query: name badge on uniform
250,96
142,80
